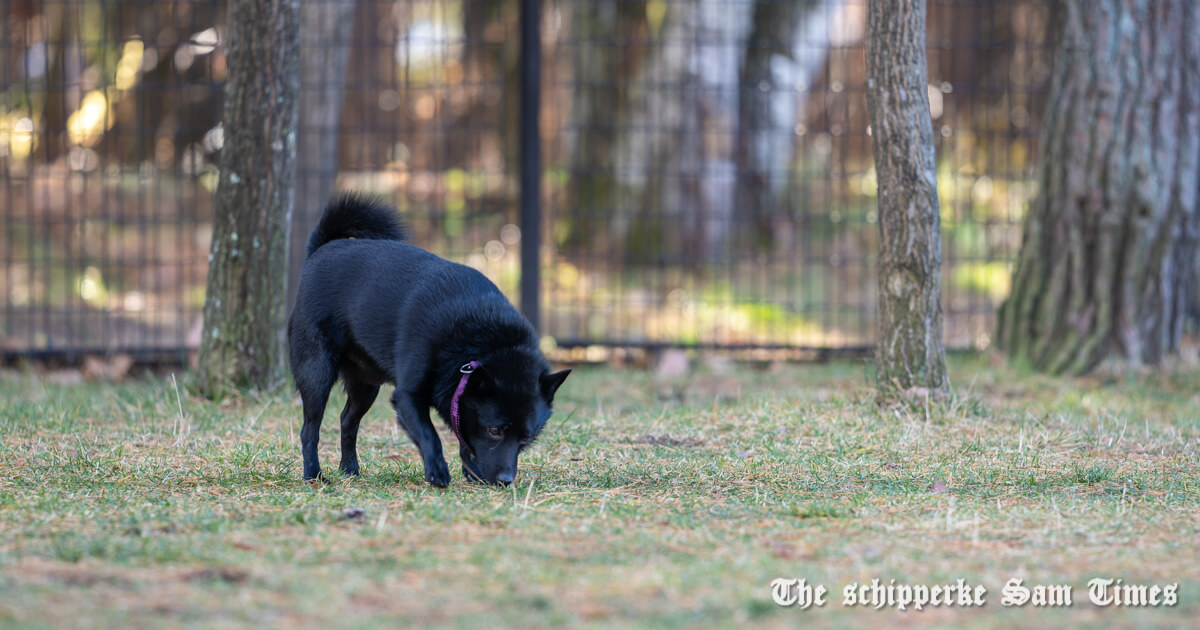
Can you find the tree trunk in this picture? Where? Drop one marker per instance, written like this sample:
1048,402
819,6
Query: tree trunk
1108,260
245,306
607,53
325,32
55,109
909,353
671,159
769,78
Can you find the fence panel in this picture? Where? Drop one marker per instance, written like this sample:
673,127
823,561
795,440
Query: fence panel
714,182
706,171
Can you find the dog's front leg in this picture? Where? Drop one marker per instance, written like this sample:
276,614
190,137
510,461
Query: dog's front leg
414,419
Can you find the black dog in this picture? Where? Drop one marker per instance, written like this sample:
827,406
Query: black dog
373,309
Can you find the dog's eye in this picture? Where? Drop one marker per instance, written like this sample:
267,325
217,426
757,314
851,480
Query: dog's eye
527,439
495,431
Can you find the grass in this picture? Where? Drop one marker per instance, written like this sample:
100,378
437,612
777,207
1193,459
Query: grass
647,503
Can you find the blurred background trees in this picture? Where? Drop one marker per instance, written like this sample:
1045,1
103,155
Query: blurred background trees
708,176
325,29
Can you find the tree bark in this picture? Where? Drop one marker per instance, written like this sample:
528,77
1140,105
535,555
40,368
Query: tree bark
245,306
909,353
325,32
1108,260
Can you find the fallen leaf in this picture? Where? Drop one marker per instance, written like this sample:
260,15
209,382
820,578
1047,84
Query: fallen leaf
114,369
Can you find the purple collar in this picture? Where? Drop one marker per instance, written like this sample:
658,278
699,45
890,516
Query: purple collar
466,371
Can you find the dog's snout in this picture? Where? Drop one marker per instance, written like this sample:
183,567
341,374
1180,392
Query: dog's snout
505,477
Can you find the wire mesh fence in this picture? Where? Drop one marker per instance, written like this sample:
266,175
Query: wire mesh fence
707,176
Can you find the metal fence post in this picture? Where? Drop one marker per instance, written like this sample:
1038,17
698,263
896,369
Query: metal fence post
531,159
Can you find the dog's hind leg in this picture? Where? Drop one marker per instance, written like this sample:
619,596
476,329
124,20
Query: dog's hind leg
359,398
314,376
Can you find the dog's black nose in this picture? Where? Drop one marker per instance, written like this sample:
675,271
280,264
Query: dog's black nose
505,478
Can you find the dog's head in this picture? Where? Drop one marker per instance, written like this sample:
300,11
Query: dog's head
503,408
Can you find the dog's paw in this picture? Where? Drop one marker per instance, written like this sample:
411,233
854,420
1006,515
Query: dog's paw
318,480
437,473
349,469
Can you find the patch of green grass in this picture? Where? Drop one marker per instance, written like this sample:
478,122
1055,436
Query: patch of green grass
821,510
1092,473
646,502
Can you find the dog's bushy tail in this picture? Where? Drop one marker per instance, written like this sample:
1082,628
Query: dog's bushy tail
356,216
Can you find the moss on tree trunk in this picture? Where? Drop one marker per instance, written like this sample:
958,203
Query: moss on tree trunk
1108,260
245,306
909,352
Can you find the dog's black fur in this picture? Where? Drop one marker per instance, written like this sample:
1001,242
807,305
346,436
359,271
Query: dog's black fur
373,309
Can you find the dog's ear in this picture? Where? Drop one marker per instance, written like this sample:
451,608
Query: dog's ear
550,383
